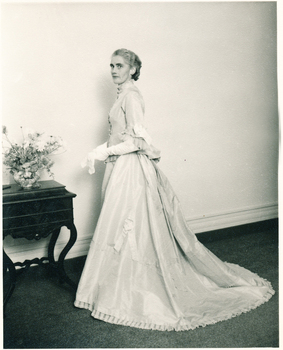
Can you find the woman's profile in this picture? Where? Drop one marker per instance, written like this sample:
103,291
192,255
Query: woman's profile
145,268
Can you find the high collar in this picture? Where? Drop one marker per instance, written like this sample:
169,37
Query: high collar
124,86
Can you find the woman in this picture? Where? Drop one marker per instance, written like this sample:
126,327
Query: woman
145,268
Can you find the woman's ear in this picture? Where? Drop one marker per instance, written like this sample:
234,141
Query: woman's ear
133,70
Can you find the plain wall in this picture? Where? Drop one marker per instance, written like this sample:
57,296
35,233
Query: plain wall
209,81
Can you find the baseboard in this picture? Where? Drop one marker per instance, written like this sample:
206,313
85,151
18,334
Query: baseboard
233,218
22,252
198,225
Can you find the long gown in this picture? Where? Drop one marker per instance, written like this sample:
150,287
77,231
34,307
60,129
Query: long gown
145,268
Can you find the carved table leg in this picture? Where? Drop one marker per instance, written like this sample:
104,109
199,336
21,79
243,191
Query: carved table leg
52,244
9,265
59,265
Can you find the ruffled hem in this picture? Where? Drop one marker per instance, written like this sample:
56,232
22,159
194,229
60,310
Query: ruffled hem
126,321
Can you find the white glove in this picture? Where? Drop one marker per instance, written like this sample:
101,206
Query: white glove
87,161
102,152
122,148
98,153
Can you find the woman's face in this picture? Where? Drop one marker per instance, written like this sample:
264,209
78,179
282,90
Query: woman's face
120,70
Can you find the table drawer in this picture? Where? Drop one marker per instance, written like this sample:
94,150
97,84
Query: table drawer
37,219
36,206
34,232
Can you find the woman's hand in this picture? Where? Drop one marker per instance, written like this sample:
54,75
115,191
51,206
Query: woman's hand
101,152
98,153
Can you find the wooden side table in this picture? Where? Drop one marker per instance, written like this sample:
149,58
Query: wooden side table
35,214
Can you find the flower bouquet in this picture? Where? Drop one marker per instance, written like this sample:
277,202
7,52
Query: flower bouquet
28,158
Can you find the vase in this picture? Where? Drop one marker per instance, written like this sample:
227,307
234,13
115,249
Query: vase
27,180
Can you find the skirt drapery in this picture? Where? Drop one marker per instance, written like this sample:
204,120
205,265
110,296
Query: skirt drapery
145,267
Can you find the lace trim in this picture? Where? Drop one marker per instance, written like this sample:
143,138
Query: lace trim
126,321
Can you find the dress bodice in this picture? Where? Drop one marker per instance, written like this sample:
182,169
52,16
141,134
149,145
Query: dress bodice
126,120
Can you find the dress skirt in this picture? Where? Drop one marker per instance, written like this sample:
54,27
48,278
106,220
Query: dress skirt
145,267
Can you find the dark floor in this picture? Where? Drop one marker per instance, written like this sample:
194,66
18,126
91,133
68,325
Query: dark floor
40,313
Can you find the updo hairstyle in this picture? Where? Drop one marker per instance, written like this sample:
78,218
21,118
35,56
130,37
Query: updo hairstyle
131,59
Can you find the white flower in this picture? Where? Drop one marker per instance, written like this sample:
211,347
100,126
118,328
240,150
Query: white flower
26,143
59,141
26,165
31,154
40,145
29,131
